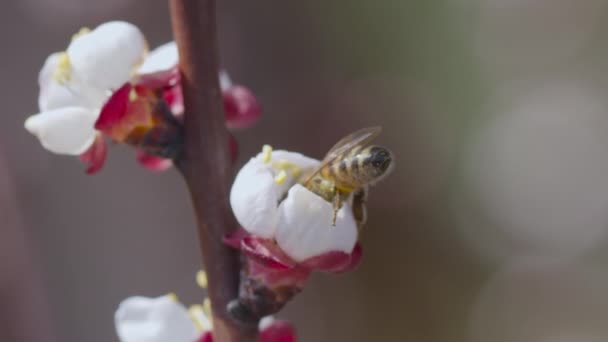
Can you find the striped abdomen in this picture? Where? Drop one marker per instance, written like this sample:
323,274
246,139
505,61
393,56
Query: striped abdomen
358,167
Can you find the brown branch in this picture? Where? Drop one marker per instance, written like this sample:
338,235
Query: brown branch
205,161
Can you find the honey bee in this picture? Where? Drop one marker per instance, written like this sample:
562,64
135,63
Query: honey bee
350,167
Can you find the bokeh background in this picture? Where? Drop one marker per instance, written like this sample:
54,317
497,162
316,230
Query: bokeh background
492,228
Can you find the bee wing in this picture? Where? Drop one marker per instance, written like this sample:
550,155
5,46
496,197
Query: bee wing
362,137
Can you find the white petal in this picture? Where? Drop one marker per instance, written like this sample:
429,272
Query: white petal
68,130
295,158
107,56
254,199
162,319
46,73
161,59
298,159
304,228
71,93
255,194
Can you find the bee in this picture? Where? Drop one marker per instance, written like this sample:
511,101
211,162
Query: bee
350,167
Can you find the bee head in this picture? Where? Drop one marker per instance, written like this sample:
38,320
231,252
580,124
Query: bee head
381,160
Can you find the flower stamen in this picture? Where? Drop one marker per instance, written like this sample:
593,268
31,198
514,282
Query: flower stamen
281,177
196,311
133,95
61,74
286,165
173,296
267,153
81,33
201,279
207,307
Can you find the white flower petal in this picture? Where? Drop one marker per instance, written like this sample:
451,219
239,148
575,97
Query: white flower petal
304,228
107,56
72,93
162,319
48,68
297,159
161,59
255,194
68,130
254,199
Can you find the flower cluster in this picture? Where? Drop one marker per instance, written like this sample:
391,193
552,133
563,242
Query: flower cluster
287,232
107,84
164,318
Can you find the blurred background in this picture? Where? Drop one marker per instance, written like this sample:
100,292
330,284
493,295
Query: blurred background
493,226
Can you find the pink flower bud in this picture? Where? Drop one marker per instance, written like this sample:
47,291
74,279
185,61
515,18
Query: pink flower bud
241,107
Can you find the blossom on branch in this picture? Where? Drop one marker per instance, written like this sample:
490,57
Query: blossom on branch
287,232
164,318
107,84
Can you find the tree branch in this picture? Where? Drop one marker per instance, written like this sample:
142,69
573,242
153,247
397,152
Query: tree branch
205,161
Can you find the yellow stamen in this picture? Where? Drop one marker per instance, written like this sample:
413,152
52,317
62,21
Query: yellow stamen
286,165
61,74
295,172
281,177
173,296
195,311
81,33
201,279
207,307
267,153
132,95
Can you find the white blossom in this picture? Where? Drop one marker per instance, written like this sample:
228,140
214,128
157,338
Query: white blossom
75,84
165,319
161,319
302,222
108,56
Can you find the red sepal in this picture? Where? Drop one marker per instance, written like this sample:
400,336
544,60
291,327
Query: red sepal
278,331
95,156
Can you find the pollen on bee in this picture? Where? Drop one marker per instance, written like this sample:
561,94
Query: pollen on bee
281,177
326,186
267,153
201,279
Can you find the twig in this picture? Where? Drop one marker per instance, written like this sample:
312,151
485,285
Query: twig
205,161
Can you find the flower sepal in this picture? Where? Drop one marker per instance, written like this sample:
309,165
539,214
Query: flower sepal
270,278
139,116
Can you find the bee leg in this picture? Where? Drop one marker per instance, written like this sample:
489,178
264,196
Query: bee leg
337,202
359,207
